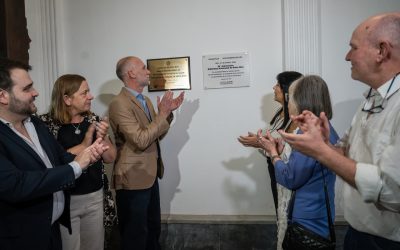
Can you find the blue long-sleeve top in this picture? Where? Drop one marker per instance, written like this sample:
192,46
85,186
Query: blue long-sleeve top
304,174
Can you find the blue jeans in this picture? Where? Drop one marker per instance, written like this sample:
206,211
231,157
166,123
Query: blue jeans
356,240
139,218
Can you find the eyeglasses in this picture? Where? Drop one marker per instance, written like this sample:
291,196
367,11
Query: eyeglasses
377,109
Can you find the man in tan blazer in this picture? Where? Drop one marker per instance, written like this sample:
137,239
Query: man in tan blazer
137,129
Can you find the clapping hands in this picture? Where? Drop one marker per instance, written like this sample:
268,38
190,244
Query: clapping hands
102,127
271,145
249,140
315,133
92,153
167,103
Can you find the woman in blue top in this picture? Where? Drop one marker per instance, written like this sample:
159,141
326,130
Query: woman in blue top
299,172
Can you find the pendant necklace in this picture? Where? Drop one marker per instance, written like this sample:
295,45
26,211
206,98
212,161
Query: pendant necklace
77,130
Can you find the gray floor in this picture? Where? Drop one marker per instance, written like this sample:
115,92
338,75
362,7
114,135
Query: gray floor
177,236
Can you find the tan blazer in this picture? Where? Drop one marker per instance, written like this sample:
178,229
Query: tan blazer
135,137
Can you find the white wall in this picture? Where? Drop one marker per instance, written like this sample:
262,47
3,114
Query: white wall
207,170
339,19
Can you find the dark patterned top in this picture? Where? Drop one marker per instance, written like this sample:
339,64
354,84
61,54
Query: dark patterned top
91,179
110,218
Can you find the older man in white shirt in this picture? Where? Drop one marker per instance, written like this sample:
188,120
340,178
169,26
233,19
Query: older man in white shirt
367,158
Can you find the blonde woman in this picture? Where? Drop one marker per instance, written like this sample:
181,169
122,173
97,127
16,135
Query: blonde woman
75,126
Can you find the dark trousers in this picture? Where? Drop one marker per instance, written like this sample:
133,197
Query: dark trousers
356,240
139,218
55,240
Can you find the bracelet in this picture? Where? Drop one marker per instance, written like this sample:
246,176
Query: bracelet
273,157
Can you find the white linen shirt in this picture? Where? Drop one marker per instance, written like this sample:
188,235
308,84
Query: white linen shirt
373,141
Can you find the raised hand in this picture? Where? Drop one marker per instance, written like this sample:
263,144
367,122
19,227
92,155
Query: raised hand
102,127
177,102
249,140
88,139
164,103
325,129
279,145
300,119
167,103
86,142
268,143
315,134
307,119
91,154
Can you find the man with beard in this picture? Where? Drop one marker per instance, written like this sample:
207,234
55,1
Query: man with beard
34,169
137,129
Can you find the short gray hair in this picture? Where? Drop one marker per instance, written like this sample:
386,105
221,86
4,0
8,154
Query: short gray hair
311,93
122,66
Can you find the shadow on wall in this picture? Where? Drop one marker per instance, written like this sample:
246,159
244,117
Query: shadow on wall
171,146
268,108
253,166
112,88
343,113
243,197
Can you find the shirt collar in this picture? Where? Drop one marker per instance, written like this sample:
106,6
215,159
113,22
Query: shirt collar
9,124
133,92
382,90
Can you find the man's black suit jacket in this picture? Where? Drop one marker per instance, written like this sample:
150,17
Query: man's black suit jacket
27,187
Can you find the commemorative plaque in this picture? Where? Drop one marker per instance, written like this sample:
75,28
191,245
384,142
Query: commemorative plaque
226,70
169,73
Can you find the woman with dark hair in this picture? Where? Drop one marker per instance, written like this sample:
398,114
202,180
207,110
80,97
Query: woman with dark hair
280,120
301,173
75,126
281,91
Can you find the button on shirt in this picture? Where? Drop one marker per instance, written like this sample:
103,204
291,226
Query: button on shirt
373,141
58,197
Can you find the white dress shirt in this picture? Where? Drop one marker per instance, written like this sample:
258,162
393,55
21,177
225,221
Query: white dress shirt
373,141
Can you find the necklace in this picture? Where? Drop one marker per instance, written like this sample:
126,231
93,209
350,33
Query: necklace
77,130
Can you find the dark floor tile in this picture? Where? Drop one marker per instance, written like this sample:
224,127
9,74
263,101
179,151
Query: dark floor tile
179,236
190,237
340,231
248,236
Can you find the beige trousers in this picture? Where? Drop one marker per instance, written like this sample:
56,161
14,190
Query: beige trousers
86,222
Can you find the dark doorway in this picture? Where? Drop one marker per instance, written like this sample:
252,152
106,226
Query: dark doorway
14,38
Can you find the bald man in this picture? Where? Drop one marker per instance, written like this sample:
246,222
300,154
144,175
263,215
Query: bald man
137,129
367,158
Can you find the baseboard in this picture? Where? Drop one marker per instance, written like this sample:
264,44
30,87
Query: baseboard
227,219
